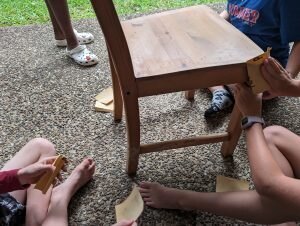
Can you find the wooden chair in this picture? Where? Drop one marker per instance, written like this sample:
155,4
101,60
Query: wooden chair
178,50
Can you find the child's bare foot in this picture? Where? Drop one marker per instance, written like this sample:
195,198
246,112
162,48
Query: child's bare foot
159,196
126,223
79,177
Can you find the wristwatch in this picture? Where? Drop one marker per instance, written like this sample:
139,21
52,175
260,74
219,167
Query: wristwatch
248,121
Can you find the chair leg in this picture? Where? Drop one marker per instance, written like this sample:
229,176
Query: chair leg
189,95
118,101
234,130
133,133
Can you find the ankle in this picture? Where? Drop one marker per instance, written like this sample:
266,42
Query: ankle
72,42
72,45
59,35
181,200
176,197
61,195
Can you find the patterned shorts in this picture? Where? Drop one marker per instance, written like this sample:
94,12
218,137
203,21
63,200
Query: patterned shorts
12,213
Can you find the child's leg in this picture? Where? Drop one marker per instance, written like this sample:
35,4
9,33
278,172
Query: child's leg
62,194
59,8
37,205
222,99
32,152
244,205
284,145
59,12
58,33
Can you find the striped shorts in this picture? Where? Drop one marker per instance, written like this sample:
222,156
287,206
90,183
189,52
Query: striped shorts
12,213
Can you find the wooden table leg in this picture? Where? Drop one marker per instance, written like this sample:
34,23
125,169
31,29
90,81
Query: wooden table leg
133,133
189,95
118,101
234,130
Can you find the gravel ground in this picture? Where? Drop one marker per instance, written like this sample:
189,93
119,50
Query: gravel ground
44,94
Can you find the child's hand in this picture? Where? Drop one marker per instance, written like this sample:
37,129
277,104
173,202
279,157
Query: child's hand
268,96
280,81
248,102
32,173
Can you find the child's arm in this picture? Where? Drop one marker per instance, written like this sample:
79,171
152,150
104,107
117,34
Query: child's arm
9,181
268,178
19,179
263,166
293,65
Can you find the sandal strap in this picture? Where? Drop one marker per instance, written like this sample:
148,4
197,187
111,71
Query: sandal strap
77,49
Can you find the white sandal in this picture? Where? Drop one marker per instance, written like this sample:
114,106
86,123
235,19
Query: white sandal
83,38
81,55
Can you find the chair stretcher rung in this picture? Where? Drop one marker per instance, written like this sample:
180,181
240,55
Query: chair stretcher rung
174,144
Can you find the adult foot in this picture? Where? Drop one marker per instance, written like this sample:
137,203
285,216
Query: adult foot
79,177
159,196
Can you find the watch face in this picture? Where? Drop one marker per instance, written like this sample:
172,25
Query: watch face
244,121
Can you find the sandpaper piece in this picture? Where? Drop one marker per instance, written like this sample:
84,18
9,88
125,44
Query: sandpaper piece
104,108
131,208
256,79
225,184
44,183
106,96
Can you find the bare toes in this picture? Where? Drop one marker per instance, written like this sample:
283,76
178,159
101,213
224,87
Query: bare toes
151,204
146,185
143,190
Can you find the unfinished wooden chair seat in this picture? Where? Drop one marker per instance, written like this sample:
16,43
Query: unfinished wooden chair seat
184,39
177,50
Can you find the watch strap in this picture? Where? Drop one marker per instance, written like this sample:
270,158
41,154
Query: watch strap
248,121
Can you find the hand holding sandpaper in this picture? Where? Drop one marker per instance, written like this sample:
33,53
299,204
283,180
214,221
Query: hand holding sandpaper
256,80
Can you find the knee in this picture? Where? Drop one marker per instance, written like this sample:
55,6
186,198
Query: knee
272,133
44,146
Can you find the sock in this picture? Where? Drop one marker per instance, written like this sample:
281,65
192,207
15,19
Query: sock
221,99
